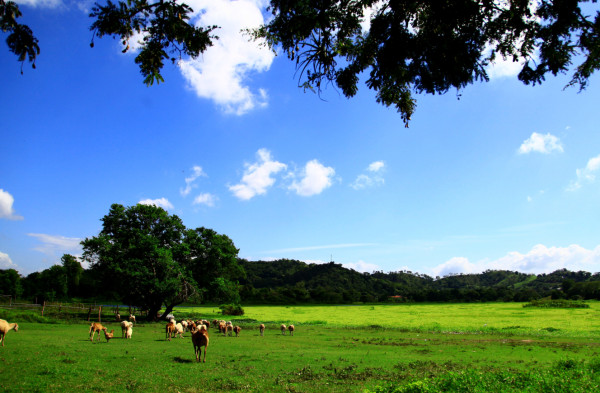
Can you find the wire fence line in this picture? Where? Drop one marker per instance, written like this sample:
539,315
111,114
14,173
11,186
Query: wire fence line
89,311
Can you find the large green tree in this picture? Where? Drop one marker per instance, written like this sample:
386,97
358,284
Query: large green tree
138,254
410,46
150,259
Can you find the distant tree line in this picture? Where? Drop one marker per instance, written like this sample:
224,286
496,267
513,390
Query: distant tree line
294,282
288,281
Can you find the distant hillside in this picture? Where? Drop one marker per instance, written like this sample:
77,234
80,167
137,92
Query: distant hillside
291,281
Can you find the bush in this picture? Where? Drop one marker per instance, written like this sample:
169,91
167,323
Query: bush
25,316
231,309
568,376
556,303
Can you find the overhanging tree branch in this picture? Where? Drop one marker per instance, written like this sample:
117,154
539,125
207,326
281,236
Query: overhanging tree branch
163,28
20,40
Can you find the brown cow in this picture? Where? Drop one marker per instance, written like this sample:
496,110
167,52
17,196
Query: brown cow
96,327
170,331
200,339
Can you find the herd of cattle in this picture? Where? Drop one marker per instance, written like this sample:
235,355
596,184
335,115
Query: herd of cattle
199,330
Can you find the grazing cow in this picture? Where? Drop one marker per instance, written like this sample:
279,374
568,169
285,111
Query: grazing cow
200,339
96,327
170,331
124,326
5,327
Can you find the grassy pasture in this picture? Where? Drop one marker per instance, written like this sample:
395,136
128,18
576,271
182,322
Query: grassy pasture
467,317
334,349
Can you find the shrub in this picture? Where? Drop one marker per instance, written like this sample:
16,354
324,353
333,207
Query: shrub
231,309
556,303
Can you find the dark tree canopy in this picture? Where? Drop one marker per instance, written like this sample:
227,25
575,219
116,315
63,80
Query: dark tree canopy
410,46
10,283
213,262
431,46
73,271
20,40
167,34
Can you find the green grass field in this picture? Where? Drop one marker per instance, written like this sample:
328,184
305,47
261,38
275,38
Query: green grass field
416,348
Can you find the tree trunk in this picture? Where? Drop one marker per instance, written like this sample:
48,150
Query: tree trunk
152,313
169,309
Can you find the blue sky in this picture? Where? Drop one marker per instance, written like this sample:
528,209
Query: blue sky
499,176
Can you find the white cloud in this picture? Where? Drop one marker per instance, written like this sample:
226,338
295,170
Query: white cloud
539,194
85,6
55,245
6,206
221,72
6,262
205,199
258,177
196,173
541,144
540,259
315,261
504,68
369,13
40,3
586,175
376,166
362,266
315,178
374,177
161,202
454,265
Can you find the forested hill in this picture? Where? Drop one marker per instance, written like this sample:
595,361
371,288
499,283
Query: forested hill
291,281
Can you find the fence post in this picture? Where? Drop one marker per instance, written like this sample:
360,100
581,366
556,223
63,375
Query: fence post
43,306
89,313
100,314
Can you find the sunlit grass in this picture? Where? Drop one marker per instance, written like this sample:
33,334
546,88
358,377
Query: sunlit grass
334,349
469,317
